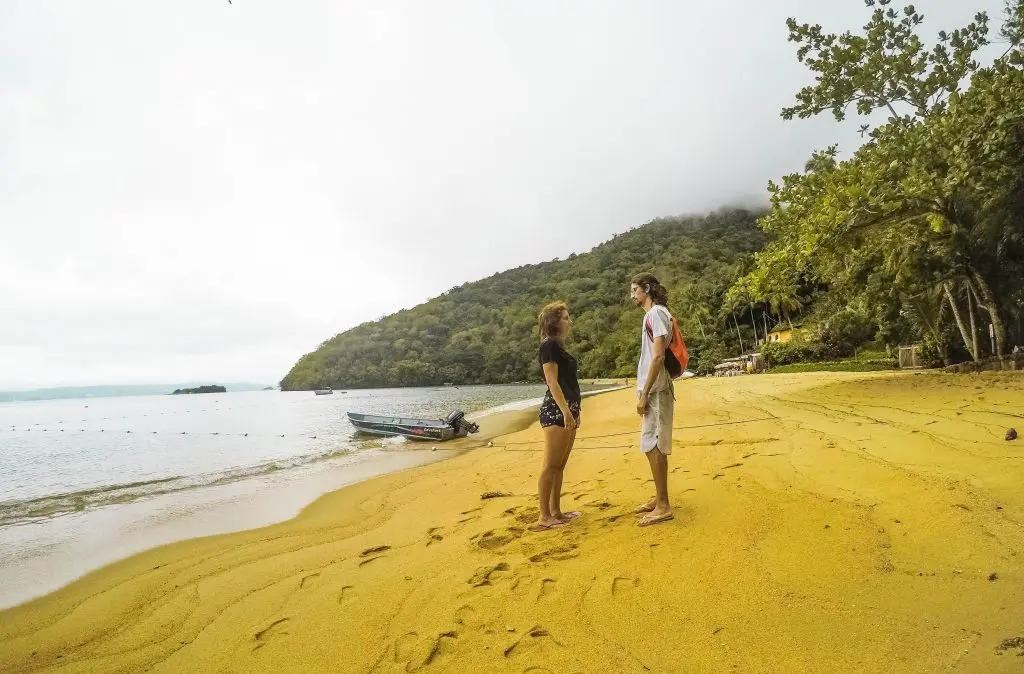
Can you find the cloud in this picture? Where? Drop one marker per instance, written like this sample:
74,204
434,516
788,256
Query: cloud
200,190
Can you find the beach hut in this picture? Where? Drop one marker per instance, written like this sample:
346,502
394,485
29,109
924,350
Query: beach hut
749,363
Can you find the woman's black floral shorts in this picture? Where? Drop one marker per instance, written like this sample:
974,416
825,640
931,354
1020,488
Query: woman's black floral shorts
550,415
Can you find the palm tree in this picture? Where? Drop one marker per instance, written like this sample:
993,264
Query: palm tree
695,308
970,339
783,301
929,306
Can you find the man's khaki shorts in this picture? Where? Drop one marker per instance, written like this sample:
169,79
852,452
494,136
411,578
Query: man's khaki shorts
656,423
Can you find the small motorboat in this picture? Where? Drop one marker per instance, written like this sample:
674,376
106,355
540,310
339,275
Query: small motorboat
326,391
455,425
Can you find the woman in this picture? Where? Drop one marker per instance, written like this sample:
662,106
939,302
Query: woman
559,413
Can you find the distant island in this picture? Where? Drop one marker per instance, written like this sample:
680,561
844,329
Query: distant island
200,389
113,391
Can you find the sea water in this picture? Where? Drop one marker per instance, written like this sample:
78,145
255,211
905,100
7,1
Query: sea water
84,482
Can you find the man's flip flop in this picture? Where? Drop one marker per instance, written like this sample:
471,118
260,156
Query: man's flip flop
544,527
645,508
571,516
653,519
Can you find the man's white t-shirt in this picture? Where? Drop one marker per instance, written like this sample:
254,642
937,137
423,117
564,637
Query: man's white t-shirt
660,321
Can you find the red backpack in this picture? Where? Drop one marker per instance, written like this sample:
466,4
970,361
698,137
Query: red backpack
676,355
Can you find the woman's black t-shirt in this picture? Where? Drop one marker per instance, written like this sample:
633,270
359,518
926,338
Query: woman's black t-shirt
552,352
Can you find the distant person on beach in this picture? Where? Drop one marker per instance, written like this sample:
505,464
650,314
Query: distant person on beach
559,413
655,394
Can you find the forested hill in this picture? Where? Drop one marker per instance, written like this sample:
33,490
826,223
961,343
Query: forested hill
486,332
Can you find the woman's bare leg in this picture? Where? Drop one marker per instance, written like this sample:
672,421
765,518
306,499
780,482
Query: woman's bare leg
556,439
556,491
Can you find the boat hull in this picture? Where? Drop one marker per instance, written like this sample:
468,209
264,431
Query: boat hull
414,429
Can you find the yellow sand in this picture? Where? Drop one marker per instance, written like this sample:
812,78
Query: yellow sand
856,531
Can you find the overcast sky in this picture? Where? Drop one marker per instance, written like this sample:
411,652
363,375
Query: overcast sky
202,190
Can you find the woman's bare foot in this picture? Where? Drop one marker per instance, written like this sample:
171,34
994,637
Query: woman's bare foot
552,523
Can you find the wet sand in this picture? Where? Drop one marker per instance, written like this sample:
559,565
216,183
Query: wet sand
824,522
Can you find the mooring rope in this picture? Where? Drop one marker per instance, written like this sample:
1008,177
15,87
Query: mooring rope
505,445
674,428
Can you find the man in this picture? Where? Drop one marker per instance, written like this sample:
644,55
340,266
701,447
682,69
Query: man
655,395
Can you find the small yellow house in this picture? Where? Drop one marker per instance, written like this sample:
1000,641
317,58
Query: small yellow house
780,335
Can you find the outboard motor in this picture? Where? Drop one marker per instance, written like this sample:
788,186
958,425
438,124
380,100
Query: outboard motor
462,426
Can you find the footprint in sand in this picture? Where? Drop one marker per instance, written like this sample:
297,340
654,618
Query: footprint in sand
347,594
523,515
547,588
433,535
419,653
404,645
269,632
621,584
491,540
308,581
559,554
486,575
465,615
373,554
536,635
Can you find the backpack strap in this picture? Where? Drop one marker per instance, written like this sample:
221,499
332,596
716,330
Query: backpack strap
672,323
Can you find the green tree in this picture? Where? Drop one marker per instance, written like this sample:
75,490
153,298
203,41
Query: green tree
933,195
885,66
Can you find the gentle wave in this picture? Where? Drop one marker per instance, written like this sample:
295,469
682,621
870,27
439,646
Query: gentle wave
21,511
36,508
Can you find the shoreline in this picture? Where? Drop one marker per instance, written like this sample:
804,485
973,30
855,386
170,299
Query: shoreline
872,521
73,545
134,527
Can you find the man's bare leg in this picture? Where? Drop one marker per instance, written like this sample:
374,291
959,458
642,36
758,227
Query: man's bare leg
659,470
